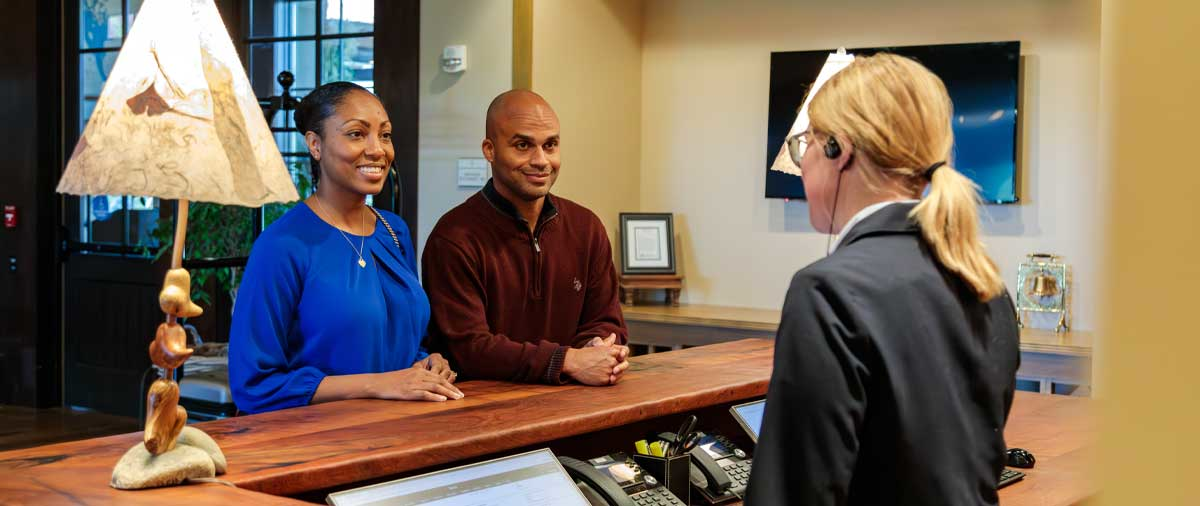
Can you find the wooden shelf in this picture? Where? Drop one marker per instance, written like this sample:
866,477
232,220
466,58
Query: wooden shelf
1074,343
1056,362
630,284
713,316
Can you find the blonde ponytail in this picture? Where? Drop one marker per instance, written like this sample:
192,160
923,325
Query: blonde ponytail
949,221
897,114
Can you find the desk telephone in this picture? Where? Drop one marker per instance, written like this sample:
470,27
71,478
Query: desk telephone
720,470
616,480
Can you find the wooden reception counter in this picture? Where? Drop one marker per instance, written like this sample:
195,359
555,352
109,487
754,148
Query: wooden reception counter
304,453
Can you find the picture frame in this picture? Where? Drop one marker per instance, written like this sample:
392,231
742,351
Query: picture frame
647,243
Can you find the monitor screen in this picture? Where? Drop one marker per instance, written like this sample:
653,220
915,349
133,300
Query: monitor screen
534,478
982,80
749,416
714,447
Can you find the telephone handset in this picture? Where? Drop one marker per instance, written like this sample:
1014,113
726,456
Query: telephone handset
711,476
720,470
616,480
601,486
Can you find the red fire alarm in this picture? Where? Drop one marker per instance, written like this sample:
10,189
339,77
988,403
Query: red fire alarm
10,216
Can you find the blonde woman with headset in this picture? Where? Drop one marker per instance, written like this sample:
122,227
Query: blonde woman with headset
896,357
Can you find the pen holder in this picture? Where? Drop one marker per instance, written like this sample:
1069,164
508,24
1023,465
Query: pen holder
673,472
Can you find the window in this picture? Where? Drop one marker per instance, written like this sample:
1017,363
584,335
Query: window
318,41
120,220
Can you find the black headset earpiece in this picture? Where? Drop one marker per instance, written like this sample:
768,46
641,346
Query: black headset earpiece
832,148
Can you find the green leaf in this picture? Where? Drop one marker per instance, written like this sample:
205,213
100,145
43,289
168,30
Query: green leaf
218,231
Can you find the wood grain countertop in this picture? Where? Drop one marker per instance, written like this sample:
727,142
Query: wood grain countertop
329,445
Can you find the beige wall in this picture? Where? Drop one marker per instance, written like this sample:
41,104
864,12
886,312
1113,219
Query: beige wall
453,106
705,69
1151,413
587,64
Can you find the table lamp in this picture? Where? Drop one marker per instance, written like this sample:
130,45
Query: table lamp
177,119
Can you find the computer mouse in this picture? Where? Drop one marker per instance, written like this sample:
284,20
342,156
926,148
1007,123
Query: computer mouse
1019,457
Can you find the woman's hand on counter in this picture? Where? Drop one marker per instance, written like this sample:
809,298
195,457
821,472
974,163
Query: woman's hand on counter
414,384
437,364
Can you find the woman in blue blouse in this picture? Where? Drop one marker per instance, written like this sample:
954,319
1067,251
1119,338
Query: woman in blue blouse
330,307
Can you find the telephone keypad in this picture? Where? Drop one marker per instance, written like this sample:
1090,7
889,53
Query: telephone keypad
659,496
739,473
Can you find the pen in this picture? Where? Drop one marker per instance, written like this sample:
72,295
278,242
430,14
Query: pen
689,424
690,443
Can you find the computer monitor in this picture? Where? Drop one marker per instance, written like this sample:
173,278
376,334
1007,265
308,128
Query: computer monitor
535,478
749,416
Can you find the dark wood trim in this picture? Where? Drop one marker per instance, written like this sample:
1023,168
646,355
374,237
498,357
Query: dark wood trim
232,15
18,135
70,91
49,234
397,64
308,38
68,116
318,55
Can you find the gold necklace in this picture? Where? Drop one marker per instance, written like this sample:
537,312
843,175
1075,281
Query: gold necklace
362,239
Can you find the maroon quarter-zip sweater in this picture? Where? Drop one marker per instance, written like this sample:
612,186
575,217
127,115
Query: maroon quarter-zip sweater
507,303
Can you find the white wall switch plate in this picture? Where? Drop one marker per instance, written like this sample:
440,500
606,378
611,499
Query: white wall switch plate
472,172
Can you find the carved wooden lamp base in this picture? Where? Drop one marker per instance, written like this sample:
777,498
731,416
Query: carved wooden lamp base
158,461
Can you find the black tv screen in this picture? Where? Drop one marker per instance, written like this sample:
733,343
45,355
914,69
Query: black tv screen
982,79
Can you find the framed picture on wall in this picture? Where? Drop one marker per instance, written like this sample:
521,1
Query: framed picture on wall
647,243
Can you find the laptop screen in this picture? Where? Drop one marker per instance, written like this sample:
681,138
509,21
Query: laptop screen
749,416
535,478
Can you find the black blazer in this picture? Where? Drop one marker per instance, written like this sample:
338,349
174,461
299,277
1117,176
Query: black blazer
892,382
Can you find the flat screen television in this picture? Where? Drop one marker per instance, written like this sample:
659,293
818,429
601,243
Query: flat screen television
982,79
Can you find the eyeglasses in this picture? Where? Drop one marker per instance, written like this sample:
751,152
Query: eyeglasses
798,144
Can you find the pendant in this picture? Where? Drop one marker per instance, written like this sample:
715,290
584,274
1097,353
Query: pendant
362,263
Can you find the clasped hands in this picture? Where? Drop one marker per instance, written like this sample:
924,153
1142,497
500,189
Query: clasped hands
599,362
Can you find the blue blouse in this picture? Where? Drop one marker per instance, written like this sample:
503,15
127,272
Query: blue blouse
305,310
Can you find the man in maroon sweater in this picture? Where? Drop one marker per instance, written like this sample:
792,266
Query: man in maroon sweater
521,282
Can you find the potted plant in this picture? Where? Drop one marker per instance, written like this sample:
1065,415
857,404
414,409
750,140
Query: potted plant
218,232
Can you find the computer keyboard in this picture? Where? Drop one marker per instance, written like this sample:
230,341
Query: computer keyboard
1008,477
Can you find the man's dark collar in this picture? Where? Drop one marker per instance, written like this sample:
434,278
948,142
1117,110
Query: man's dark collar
504,206
892,219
